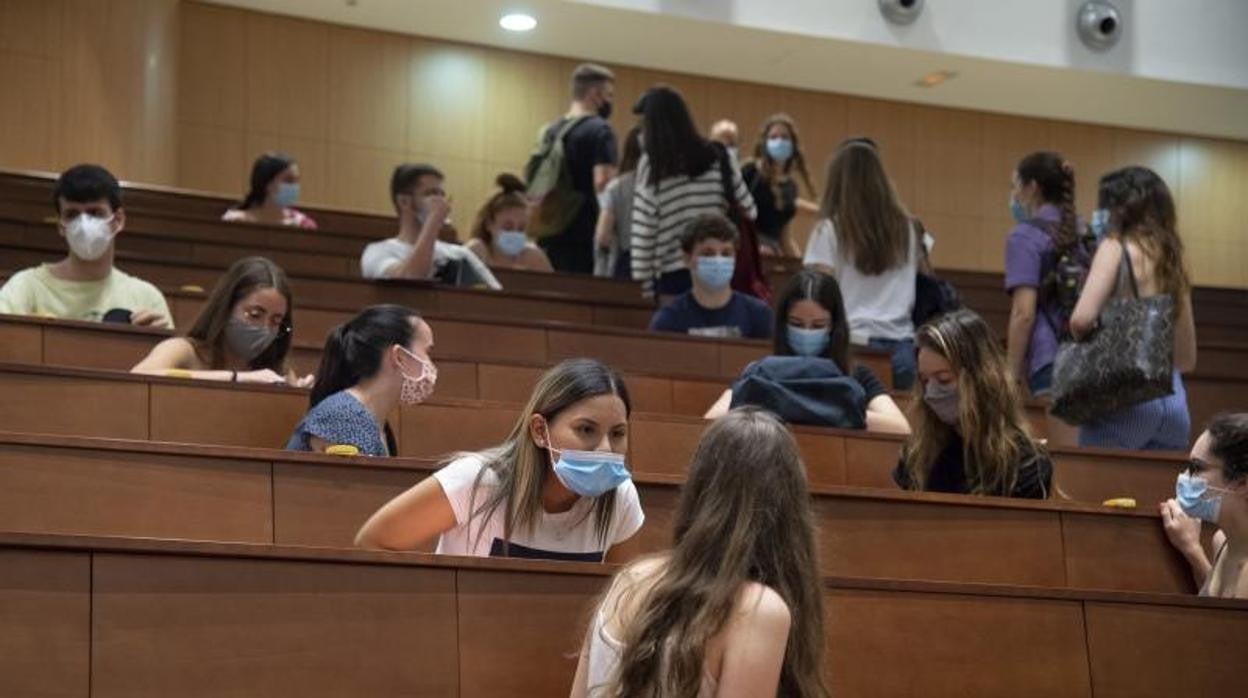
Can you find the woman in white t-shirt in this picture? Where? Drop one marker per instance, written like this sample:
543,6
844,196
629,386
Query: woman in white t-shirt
866,240
736,607
556,489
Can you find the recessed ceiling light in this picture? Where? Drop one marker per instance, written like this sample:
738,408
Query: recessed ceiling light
517,22
937,78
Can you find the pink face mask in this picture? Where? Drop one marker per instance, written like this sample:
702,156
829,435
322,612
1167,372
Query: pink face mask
417,389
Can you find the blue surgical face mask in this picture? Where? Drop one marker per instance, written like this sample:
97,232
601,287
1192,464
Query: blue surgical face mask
287,194
1017,211
806,342
715,273
1190,492
1099,223
944,401
510,242
590,473
780,149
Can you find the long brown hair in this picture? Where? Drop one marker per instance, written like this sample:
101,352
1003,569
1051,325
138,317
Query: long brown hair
207,335
744,516
1142,211
521,465
872,227
509,195
772,172
991,419
1055,180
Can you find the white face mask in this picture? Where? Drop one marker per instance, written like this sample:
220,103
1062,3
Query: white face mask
88,236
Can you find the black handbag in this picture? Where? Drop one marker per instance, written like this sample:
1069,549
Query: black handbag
933,296
1128,358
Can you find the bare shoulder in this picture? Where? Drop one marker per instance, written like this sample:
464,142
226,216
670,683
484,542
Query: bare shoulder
476,246
762,607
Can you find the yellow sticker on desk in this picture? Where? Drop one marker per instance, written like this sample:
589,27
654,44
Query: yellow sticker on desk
342,450
192,288
1120,503
177,373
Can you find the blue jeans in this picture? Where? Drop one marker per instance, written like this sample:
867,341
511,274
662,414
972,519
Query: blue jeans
1041,382
905,365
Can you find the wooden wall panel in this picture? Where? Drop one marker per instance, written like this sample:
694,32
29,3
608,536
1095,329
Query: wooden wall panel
191,626
45,621
287,65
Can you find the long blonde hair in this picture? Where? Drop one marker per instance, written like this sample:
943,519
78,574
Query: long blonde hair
521,465
744,515
872,227
991,418
772,172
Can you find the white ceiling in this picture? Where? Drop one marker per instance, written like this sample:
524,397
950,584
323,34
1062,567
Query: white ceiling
661,40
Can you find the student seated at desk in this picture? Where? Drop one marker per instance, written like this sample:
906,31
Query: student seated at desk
711,308
556,489
811,322
1214,489
371,364
498,237
970,433
85,285
272,196
417,252
735,608
243,334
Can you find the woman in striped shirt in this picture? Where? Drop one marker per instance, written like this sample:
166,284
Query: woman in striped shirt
681,176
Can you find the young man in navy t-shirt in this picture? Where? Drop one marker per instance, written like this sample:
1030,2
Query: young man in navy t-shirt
712,308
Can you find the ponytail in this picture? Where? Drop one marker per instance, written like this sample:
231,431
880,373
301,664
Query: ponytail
263,171
510,195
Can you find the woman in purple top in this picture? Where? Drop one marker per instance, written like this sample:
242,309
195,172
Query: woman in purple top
1042,201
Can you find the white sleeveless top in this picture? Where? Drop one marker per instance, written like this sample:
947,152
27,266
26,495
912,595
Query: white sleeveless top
603,656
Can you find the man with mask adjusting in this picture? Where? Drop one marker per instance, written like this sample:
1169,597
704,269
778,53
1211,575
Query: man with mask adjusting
416,190
1214,489
85,285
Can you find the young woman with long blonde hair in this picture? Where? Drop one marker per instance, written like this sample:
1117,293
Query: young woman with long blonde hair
970,432
557,488
735,608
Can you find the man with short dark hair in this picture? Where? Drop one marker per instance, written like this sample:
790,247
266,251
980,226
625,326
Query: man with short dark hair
590,155
416,252
711,308
85,285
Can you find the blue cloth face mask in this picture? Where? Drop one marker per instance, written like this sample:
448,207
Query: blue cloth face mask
590,473
1017,211
1099,223
715,273
1190,491
287,194
510,242
943,399
806,342
780,149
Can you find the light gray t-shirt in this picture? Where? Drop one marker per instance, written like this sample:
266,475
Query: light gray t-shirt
452,264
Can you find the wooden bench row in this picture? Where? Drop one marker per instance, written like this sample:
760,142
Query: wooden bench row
110,487
350,293
144,618
80,402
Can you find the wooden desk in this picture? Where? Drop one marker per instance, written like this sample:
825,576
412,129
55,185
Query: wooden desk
133,617
80,402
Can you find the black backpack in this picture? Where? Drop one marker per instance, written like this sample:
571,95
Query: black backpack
803,390
933,297
1062,275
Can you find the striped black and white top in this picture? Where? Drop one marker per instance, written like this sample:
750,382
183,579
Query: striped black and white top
660,214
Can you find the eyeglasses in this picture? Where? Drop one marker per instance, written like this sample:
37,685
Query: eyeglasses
256,318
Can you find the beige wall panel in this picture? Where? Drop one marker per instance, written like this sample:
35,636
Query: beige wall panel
1159,152
32,27
445,111
523,92
214,67
1213,177
368,86
28,111
959,240
287,65
1090,151
360,177
949,162
212,159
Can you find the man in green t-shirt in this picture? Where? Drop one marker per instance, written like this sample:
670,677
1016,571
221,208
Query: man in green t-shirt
85,285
